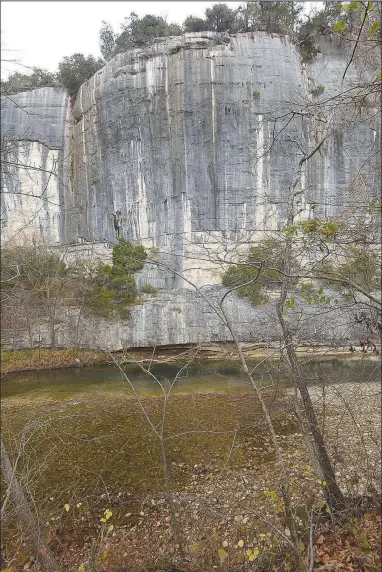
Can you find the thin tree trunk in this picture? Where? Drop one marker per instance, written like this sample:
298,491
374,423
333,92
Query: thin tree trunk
284,480
52,334
78,324
170,500
29,325
333,494
27,519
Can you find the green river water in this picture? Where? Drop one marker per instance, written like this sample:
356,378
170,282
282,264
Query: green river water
200,377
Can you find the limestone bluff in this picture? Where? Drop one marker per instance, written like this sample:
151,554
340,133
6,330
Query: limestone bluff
178,139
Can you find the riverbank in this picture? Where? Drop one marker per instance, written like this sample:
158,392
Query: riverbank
96,452
18,361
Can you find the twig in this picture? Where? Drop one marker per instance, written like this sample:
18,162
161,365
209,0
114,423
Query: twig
357,40
311,549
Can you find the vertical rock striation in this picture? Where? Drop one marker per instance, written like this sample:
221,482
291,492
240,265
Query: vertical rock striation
194,142
176,136
34,129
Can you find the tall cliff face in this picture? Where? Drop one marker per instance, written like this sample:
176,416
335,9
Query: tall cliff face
181,140
193,141
176,138
34,129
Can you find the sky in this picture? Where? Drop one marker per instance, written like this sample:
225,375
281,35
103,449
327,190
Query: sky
40,34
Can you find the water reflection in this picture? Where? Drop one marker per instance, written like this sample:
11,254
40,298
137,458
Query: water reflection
200,377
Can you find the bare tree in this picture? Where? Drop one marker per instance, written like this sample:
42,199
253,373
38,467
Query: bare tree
28,520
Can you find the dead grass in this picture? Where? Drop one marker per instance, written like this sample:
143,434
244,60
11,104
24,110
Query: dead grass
36,359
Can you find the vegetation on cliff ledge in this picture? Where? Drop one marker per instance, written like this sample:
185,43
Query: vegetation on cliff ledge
113,289
324,256
36,284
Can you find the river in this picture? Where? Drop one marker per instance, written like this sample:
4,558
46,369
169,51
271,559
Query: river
198,377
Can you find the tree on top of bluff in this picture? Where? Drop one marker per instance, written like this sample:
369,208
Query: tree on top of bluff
107,40
17,81
194,24
220,18
74,70
271,17
277,17
135,32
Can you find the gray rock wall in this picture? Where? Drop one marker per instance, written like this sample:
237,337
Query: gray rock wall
34,174
179,138
183,317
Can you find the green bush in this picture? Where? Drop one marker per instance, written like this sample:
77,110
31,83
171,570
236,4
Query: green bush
361,266
113,289
176,309
261,268
101,301
148,289
317,91
308,50
131,258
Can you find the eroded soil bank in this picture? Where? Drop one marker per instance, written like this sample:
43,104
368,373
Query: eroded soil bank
96,451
